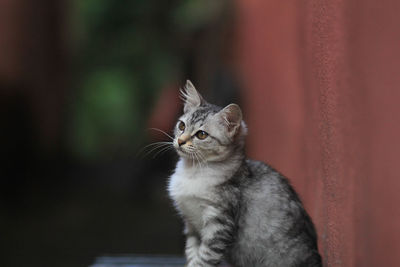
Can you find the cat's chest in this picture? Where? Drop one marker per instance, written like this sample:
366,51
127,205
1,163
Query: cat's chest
193,210
193,191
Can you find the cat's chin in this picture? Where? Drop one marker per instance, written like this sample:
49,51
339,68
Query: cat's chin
183,154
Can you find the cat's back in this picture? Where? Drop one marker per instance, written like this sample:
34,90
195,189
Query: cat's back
268,200
265,183
274,228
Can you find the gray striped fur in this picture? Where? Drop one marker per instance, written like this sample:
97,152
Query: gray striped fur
234,209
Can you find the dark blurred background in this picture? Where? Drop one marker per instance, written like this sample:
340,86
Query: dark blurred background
82,83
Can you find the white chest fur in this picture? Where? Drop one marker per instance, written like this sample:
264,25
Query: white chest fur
192,189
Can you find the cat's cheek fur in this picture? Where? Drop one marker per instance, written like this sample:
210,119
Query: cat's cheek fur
217,154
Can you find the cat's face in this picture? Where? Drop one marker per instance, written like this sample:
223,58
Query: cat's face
206,133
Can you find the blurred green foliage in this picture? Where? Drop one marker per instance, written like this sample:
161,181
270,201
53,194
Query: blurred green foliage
123,52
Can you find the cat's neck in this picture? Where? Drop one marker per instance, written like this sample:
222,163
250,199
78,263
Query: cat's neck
226,167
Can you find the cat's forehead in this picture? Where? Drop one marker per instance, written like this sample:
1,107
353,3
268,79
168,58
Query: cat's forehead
200,114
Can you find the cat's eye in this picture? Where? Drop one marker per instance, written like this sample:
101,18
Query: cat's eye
181,126
201,135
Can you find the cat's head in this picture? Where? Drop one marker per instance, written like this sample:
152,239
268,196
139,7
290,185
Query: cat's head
205,132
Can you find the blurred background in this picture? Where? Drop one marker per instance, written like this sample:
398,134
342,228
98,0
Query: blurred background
83,82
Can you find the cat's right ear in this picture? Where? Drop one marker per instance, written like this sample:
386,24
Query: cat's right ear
231,117
191,97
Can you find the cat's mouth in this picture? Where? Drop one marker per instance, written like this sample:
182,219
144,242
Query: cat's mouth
183,152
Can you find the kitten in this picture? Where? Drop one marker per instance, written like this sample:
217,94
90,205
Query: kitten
233,208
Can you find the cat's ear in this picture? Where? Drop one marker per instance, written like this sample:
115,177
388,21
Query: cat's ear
191,97
231,117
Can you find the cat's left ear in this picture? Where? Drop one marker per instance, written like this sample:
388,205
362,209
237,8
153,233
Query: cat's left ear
231,117
191,97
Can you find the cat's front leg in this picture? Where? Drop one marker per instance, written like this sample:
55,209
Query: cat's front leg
192,243
216,236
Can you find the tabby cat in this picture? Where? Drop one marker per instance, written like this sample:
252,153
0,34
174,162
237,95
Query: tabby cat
234,209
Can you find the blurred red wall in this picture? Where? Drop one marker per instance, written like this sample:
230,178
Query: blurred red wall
322,103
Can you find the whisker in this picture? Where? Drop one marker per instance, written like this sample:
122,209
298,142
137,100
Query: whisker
191,156
203,158
162,151
152,147
157,147
161,131
195,154
156,143
195,157
199,160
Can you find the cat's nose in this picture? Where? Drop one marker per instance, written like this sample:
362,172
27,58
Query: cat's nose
181,142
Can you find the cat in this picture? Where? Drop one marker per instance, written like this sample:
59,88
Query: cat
234,209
